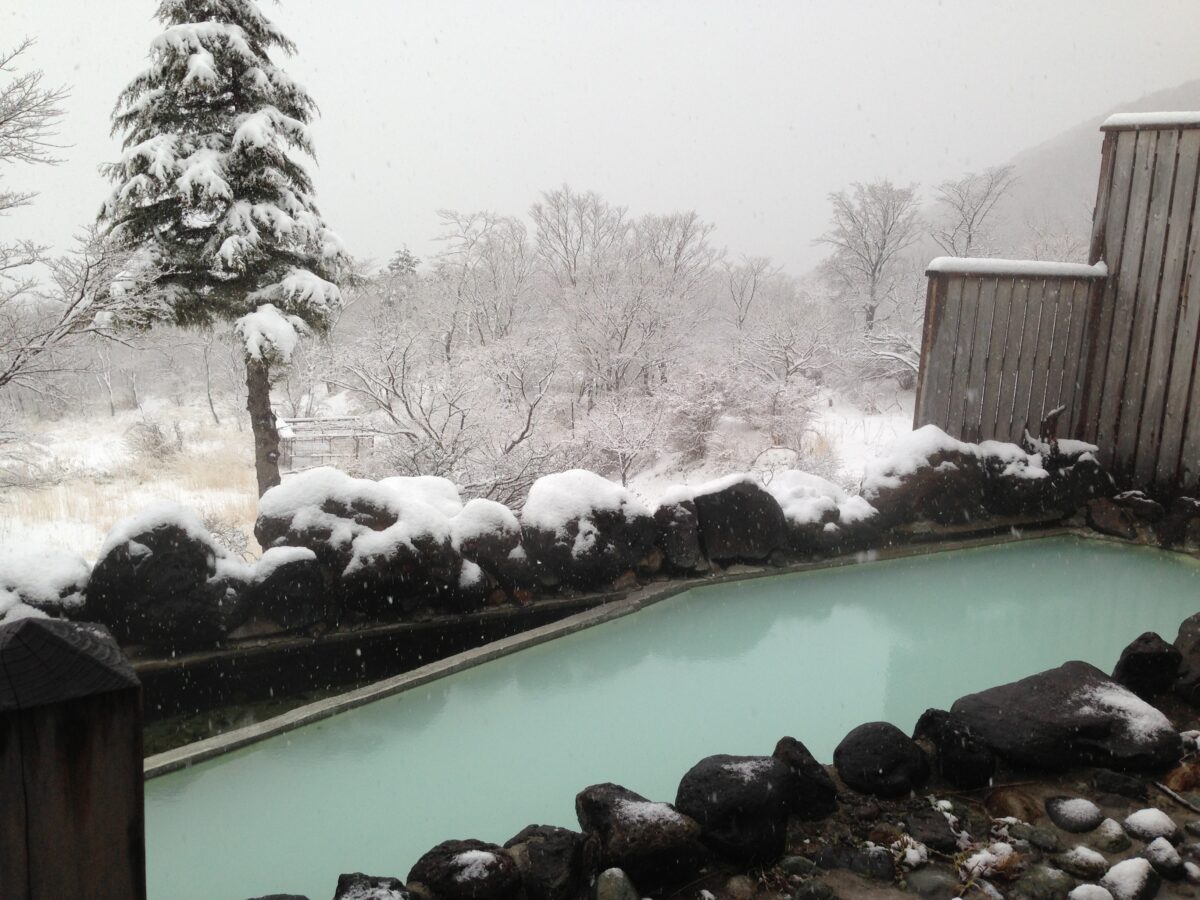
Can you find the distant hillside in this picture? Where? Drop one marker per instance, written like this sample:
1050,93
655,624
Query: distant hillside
1056,187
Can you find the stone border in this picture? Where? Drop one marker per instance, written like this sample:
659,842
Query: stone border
654,592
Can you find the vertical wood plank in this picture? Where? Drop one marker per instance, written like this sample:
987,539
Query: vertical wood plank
1161,354
989,427
977,381
933,317
1113,235
1035,408
1145,308
14,873
942,353
1100,212
1029,343
1018,306
1064,326
962,361
1074,370
1116,351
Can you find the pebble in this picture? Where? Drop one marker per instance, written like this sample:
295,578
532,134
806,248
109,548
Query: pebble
1131,879
1074,814
1082,862
1089,892
739,887
1110,837
1040,837
797,865
614,884
1165,859
814,890
1150,823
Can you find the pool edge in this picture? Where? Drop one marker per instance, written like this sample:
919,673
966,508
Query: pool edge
191,754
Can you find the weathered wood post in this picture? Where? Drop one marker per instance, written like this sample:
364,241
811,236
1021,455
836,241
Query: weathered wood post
71,817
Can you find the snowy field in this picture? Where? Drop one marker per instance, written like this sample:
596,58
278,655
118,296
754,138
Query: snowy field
105,472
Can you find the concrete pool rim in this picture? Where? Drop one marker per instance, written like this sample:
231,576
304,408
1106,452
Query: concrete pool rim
637,599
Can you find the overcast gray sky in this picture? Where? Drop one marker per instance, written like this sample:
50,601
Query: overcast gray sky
750,113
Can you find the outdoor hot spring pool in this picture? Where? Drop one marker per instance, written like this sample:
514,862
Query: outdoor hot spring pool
720,669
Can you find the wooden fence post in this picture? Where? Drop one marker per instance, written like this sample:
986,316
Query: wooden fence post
71,815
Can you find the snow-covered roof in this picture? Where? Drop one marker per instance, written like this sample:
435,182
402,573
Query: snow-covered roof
1151,120
1030,268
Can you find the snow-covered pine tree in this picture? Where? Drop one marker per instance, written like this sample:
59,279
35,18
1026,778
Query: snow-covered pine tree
210,192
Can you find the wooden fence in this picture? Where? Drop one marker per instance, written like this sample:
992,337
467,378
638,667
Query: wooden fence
336,441
1115,343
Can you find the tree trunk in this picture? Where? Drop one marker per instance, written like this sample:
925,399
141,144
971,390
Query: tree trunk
262,424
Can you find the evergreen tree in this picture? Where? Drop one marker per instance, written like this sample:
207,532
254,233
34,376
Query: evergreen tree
211,195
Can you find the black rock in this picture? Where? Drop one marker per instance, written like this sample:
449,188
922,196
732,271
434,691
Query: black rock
467,870
357,886
740,522
959,755
1140,505
1106,517
655,844
949,489
1048,721
1172,530
550,860
814,795
870,862
283,897
1042,882
1042,838
742,805
1075,815
814,889
1110,782
153,589
294,594
929,826
878,758
933,883
679,535
1187,642
386,579
1147,666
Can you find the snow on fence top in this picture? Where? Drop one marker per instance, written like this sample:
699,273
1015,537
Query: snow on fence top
1146,121
1029,268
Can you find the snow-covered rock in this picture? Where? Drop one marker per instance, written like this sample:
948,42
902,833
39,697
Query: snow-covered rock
1131,879
821,516
467,870
580,528
489,534
1151,823
679,535
738,518
41,579
1074,814
1070,715
927,475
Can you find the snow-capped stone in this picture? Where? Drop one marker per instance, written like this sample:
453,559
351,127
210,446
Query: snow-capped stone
583,529
1082,862
1089,892
927,474
1150,823
738,518
357,886
652,842
467,870
1131,879
741,804
1070,715
1165,859
1074,814
41,577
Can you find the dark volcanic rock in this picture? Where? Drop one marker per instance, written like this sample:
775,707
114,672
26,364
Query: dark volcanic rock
1187,642
936,479
1106,517
357,886
585,530
153,588
290,588
679,535
1109,782
1072,715
488,534
740,521
467,870
397,570
870,862
1074,814
878,758
1181,518
1140,505
813,793
930,827
550,860
959,755
653,843
742,805
1148,666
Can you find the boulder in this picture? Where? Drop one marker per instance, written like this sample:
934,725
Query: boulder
467,870
406,566
1187,642
357,886
581,529
741,804
1016,484
489,534
151,583
1141,506
878,758
959,756
655,844
1148,666
1074,814
1165,858
41,577
1078,479
1108,518
550,860
1181,520
927,475
1082,862
870,862
613,884
813,793
739,520
679,535
1071,715
1151,823
290,587
822,518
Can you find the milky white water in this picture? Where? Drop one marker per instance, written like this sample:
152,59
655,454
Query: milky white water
721,669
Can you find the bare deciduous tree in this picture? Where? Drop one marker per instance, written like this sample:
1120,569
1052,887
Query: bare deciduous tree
966,205
873,224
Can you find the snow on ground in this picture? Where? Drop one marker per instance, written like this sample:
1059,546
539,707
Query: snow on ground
102,477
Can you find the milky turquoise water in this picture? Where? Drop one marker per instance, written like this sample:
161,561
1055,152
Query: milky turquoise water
720,669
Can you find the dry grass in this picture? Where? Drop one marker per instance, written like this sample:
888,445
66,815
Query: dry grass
213,474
